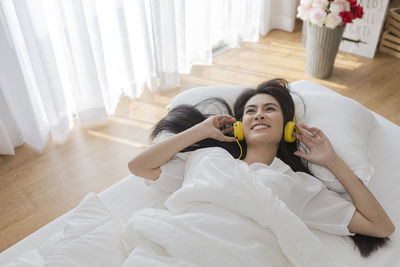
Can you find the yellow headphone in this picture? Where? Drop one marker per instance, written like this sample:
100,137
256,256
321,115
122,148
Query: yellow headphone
238,130
288,133
289,128
238,133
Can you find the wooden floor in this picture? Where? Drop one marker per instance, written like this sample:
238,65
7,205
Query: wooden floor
37,188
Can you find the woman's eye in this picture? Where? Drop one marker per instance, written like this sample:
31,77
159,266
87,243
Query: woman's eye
250,110
269,109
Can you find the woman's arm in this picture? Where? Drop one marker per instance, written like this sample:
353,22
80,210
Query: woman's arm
147,163
370,218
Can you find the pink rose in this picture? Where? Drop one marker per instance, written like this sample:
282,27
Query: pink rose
336,8
304,12
322,4
307,3
332,20
317,16
344,5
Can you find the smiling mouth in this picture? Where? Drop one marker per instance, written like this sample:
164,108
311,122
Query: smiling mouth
260,126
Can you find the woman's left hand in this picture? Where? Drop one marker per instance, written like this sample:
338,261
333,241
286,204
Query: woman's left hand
321,150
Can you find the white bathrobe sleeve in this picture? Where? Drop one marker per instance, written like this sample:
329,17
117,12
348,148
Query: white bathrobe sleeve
328,211
172,174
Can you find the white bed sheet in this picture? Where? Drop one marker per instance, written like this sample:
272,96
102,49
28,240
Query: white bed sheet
131,194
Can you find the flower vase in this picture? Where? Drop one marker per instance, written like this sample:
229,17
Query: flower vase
304,34
321,48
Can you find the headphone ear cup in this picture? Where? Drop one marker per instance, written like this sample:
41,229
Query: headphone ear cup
288,134
238,130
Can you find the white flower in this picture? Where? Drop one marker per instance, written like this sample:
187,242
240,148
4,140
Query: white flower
317,16
332,20
307,3
336,8
304,12
344,5
322,4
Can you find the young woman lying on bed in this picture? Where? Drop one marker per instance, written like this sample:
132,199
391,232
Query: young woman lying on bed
264,112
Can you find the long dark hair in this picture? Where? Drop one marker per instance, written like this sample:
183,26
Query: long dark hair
184,117
279,90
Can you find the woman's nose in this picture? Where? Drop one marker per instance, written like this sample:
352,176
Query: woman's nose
259,115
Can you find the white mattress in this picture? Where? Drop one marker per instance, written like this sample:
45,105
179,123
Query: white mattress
131,194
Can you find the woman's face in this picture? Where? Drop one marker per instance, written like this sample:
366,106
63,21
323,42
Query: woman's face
262,120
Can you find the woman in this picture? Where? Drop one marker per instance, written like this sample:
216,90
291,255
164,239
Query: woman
264,112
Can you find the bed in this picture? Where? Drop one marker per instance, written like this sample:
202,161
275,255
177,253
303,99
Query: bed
131,194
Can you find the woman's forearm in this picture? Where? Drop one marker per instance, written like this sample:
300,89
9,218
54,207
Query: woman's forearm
147,164
159,153
363,199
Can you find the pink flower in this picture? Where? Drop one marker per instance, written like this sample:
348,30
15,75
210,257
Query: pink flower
307,3
339,12
322,4
304,12
332,20
336,8
343,4
317,16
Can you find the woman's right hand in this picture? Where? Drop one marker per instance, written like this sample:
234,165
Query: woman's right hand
211,127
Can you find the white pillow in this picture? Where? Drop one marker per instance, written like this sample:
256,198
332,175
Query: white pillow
195,95
347,125
346,122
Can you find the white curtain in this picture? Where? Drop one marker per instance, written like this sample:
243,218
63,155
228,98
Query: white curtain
67,59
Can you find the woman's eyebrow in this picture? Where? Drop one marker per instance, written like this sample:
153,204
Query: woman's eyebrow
266,104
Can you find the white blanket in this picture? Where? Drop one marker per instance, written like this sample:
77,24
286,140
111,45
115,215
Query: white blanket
220,217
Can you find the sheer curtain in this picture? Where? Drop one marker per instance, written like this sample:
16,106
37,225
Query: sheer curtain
67,59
